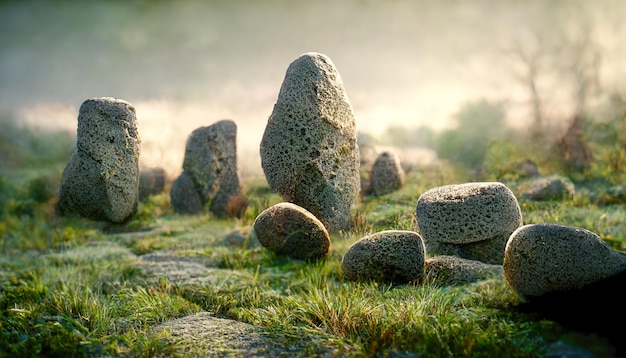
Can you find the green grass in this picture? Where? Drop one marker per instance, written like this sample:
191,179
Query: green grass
71,287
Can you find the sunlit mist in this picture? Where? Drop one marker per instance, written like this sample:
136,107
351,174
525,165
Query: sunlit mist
403,63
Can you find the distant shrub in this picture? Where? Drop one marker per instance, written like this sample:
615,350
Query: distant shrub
24,146
478,124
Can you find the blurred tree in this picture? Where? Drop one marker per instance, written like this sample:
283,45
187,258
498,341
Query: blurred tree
478,124
422,136
559,65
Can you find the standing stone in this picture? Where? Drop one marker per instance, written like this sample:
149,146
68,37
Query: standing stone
210,165
547,258
309,150
471,220
393,256
288,229
101,180
151,182
387,174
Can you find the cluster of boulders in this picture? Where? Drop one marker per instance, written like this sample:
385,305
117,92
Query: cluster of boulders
102,180
465,232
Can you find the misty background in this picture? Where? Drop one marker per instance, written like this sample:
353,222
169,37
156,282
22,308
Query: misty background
407,66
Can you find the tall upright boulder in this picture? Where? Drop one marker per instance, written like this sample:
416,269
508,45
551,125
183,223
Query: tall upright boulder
101,179
309,150
209,171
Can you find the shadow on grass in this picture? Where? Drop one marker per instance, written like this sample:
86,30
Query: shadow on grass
595,309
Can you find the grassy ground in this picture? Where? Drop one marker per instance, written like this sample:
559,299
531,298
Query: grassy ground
75,287
71,287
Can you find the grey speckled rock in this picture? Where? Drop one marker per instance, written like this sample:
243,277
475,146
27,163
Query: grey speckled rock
309,152
184,196
452,270
387,174
288,229
549,188
101,179
393,256
211,164
545,258
151,182
471,220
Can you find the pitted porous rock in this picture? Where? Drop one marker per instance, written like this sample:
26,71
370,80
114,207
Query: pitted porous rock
481,215
452,270
211,163
288,229
387,174
392,256
101,179
309,151
547,258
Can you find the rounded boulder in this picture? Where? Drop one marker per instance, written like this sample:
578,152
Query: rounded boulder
288,229
392,256
468,220
546,258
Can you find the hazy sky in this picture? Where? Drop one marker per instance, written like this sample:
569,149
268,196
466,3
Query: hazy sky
185,64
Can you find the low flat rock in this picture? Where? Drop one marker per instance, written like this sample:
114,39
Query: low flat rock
288,229
546,258
186,270
206,335
453,270
393,256
548,188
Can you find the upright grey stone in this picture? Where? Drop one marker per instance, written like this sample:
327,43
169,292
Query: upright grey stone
210,165
387,174
309,150
471,220
548,258
101,179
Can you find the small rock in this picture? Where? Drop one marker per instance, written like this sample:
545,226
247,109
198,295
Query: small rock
101,180
545,258
151,182
549,188
388,256
387,174
309,151
288,229
471,220
452,270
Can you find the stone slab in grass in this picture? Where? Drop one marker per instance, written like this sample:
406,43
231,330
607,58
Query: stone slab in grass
206,335
453,270
186,270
